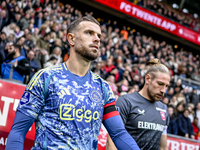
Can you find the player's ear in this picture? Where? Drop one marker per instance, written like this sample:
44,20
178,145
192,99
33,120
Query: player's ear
147,78
70,38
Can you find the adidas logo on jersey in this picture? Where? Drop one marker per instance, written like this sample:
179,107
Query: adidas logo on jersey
63,92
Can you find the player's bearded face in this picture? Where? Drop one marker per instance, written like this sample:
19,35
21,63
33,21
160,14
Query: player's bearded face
158,86
86,53
88,40
153,95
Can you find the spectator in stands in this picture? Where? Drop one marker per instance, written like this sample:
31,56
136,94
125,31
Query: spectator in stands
172,127
33,63
196,75
189,72
56,43
15,67
31,28
173,101
195,127
43,42
29,44
3,20
18,33
20,42
52,38
26,32
3,43
35,35
194,98
17,20
187,95
126,75
136,80
178,93
101,72
197,113
11,38
124,33
170,92
39,20
3,5
52,61
103,53
123,86
191,112
179,109
9,29
135,70
111,81
109,65
114,72
56,53
184,125
183,71
165,100
25,21
55,28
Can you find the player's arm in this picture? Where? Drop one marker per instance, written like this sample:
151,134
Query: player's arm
110,145
163,140
20,127
121,103
28,109
115,127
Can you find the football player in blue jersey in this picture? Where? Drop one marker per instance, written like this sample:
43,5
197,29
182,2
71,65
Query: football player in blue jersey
68,102
145,117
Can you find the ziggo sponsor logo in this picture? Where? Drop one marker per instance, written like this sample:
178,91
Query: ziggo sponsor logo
69,112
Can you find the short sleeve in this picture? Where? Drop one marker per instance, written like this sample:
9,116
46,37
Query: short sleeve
109,95
33,98
110,106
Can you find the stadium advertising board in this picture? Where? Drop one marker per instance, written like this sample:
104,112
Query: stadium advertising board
10,93
153,19
176,143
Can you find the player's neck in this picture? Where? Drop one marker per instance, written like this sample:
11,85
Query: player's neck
77,67
144,94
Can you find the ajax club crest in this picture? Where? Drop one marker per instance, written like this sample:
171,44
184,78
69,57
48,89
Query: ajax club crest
95,96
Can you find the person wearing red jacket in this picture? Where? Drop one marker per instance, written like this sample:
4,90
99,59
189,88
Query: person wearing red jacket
111,69
195,127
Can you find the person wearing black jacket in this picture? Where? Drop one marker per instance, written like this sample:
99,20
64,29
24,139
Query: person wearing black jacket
15,67
184,125
172,127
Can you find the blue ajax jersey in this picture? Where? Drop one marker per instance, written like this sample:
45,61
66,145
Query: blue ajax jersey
67,108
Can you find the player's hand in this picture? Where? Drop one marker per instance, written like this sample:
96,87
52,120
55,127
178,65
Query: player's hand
187,135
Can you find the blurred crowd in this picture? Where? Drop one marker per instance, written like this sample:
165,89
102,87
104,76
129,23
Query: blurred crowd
163,8
36,31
